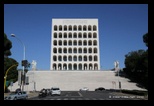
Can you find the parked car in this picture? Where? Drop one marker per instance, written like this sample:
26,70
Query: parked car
100,89
43,92
16,96
17,90
84,89
55,91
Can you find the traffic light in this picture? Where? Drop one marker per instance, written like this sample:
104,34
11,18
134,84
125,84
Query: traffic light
24,62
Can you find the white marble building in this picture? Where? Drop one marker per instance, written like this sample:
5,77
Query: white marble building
75,44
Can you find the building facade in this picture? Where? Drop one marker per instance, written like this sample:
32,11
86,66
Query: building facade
75,44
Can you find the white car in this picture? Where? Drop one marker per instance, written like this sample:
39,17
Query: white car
16,96
55,91
84,89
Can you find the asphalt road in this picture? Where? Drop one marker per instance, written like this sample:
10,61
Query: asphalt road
87,95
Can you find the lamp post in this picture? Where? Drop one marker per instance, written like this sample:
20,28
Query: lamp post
13,35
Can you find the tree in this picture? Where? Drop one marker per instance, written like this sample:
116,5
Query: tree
136,64
145,39
7,46
12,75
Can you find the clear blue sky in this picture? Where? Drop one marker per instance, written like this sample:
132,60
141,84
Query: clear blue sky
121,28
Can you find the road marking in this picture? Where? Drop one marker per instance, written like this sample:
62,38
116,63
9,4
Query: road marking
80,94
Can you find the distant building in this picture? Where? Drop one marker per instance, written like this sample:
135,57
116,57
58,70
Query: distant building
75,44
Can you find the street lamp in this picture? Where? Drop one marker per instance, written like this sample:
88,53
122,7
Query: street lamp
13,35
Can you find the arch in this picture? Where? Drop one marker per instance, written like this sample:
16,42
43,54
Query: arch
80,66
89,35
55,35
75,50
59,50
75,42
70,58
85,50
55,42
79,28
80,35
59,58
54,58
94,35
70,28
64,50
75,66
70,35
85,43
65,35
75,35
60,35
75,58
80,58
90,50
70,66
55,27
70,42
95,43
80,43
64,66
59,66
90,66
95,66
70,50
90,58
60,27
89,43
85,66
85,58
89,27
84,35
84,28
54,50
74,27
95,58
65,42
95,50
79,50
60,42
54,66
94,28
64,58
65,27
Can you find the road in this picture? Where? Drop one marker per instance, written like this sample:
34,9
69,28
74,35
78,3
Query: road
88,95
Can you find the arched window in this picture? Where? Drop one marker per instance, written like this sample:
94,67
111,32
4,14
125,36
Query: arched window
85,50
60,35
55,42
84,27
75,58
80,66
74,35
89,42
65,43
54,66
84,42
59,58
70,50
65,50
70,58
55,35
74,27
65,28
65,66
74,50
70,66
80,58
64,58
54,58
94,35
60,28
79,27
80,35
89,35
85,58
84,35
59,66
90,58
89,27
95,43
95,58
95,50
65,35
90,50
70,35
80,50
60,50
80,43
94,28
70,28
75,66
74,42
55,27
54,50
60,42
